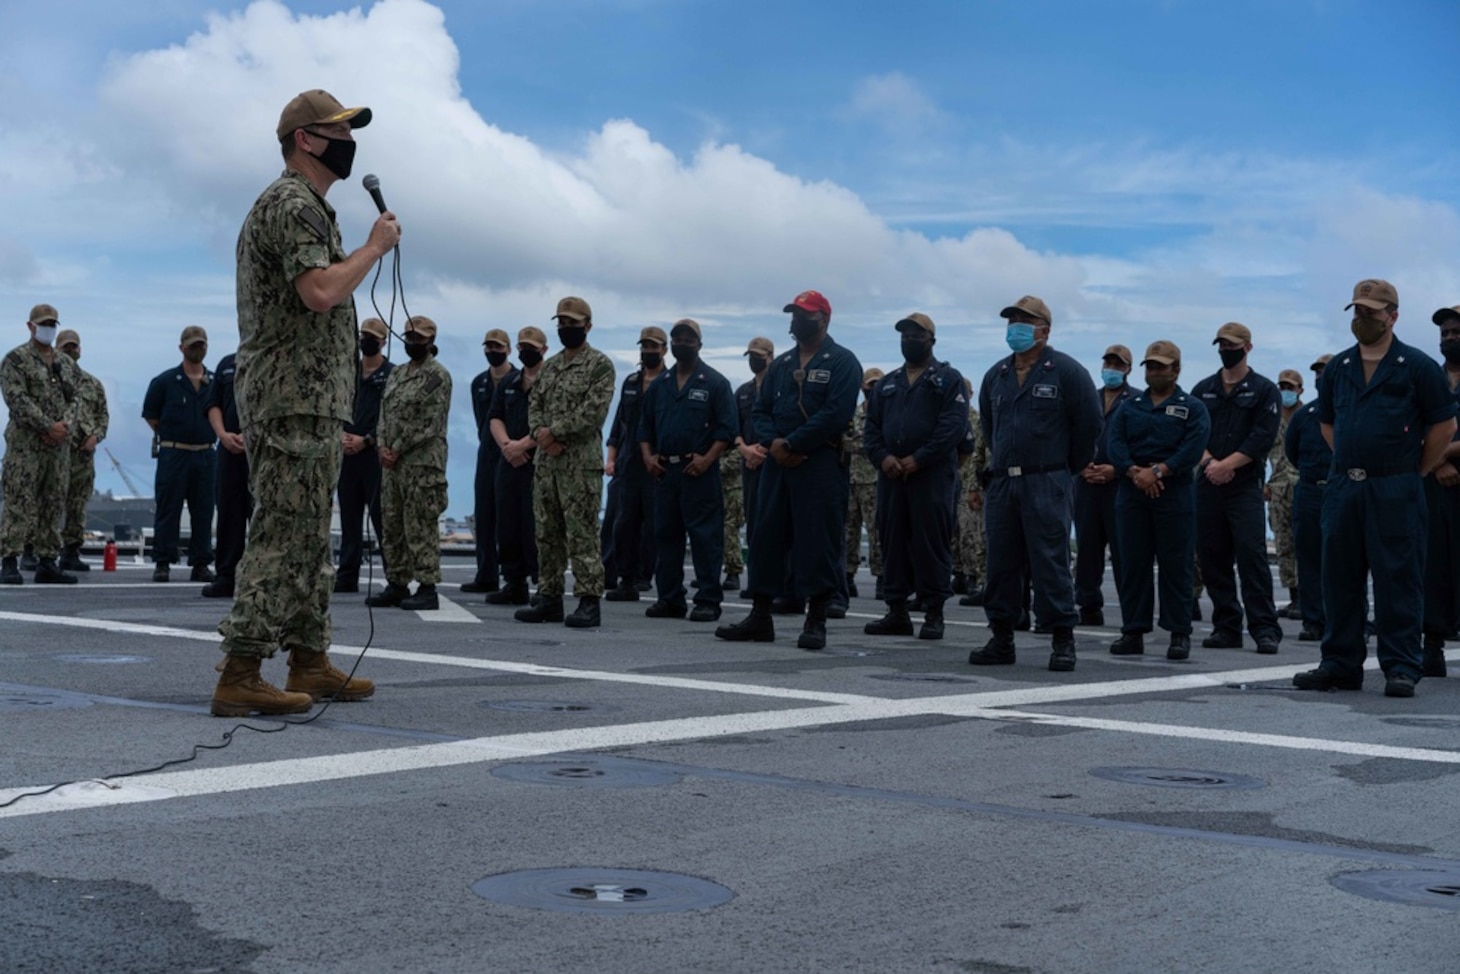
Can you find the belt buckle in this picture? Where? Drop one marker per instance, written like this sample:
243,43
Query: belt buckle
674,459
1016,471
1358,474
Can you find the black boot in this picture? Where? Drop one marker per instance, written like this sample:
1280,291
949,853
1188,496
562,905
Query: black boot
974,596
625,591
998,651
1062,650
202,573
222,588
1129,644
28,561
1433,660
813,633
837,607
932,627
757,627
878,593
48,573
895,623
1291,610
388,597
424,600
586,616
960,583
549,608
10,571
513,593
71,559
1180,647
732,582
852,586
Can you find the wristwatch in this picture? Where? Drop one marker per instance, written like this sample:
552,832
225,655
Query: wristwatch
1156,468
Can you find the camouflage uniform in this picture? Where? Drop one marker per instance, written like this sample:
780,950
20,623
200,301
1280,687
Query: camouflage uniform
734,510
91,419
970,554
862,508
1280,484
33,480
294,388
413,415
571,398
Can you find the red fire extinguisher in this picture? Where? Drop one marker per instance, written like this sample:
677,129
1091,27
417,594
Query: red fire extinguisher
109,557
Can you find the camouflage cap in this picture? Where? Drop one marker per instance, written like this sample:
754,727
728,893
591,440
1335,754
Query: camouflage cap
1117,352
42,313
532,335
1029,305
421,325
1164,352
1292,377
686,324
872,375
919,319
1321,362
318,107
762,346
499,336
1374,293
653,333
1233,331
193,335
1445,314
376,327
66,337
574,309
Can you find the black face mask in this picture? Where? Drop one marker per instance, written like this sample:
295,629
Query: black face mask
529,356
572,336
867,391
1450,348
369,345
1161,384
195,354
915,351
338,156
1232,357
685,354
758,364
651,360
495,359
417,352
804,329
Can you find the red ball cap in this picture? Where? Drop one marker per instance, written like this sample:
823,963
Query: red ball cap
810,301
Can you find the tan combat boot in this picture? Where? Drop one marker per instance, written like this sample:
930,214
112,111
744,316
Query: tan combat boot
242,691
314,674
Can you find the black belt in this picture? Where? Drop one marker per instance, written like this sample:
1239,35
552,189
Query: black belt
1360,474
1026,471
673,458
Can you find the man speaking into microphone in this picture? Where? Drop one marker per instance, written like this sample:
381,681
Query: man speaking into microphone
294,387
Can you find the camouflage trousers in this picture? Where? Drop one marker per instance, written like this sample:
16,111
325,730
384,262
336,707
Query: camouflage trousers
862,511
412,500
734,511
33,483
285,577
565,506
970,550
1280,519
81,478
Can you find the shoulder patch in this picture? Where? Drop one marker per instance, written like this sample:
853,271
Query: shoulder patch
311,218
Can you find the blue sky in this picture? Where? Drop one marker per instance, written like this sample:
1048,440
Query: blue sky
1152,169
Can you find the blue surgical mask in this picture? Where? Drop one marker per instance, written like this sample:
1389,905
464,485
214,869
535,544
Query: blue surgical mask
1113,378
1020,336
1290,399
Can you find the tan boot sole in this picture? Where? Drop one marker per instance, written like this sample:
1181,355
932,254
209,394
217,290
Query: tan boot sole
218,709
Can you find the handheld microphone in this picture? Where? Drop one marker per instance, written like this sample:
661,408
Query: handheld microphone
371,182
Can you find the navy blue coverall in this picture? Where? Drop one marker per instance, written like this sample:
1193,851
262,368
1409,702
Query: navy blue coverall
484,487
230,477
1231,519
927,421
1161,529
359,484
749,479
1442,555
1040,435
184,465
633,529
1095,518
679,422
809,407
1374,517
1311,456
516,527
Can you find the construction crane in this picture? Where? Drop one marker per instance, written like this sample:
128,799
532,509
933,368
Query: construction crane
122,472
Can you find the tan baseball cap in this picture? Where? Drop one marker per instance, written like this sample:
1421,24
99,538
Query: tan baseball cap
686,324
498,336
532,335
1292,376
374,326
421,325
194,335
1321,362
1445,314
919,319
653,333
318,107
574,309
1117,352
872,375
42,313
1164,352
1233,331
1374,293
66,337
762,345
1029,305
